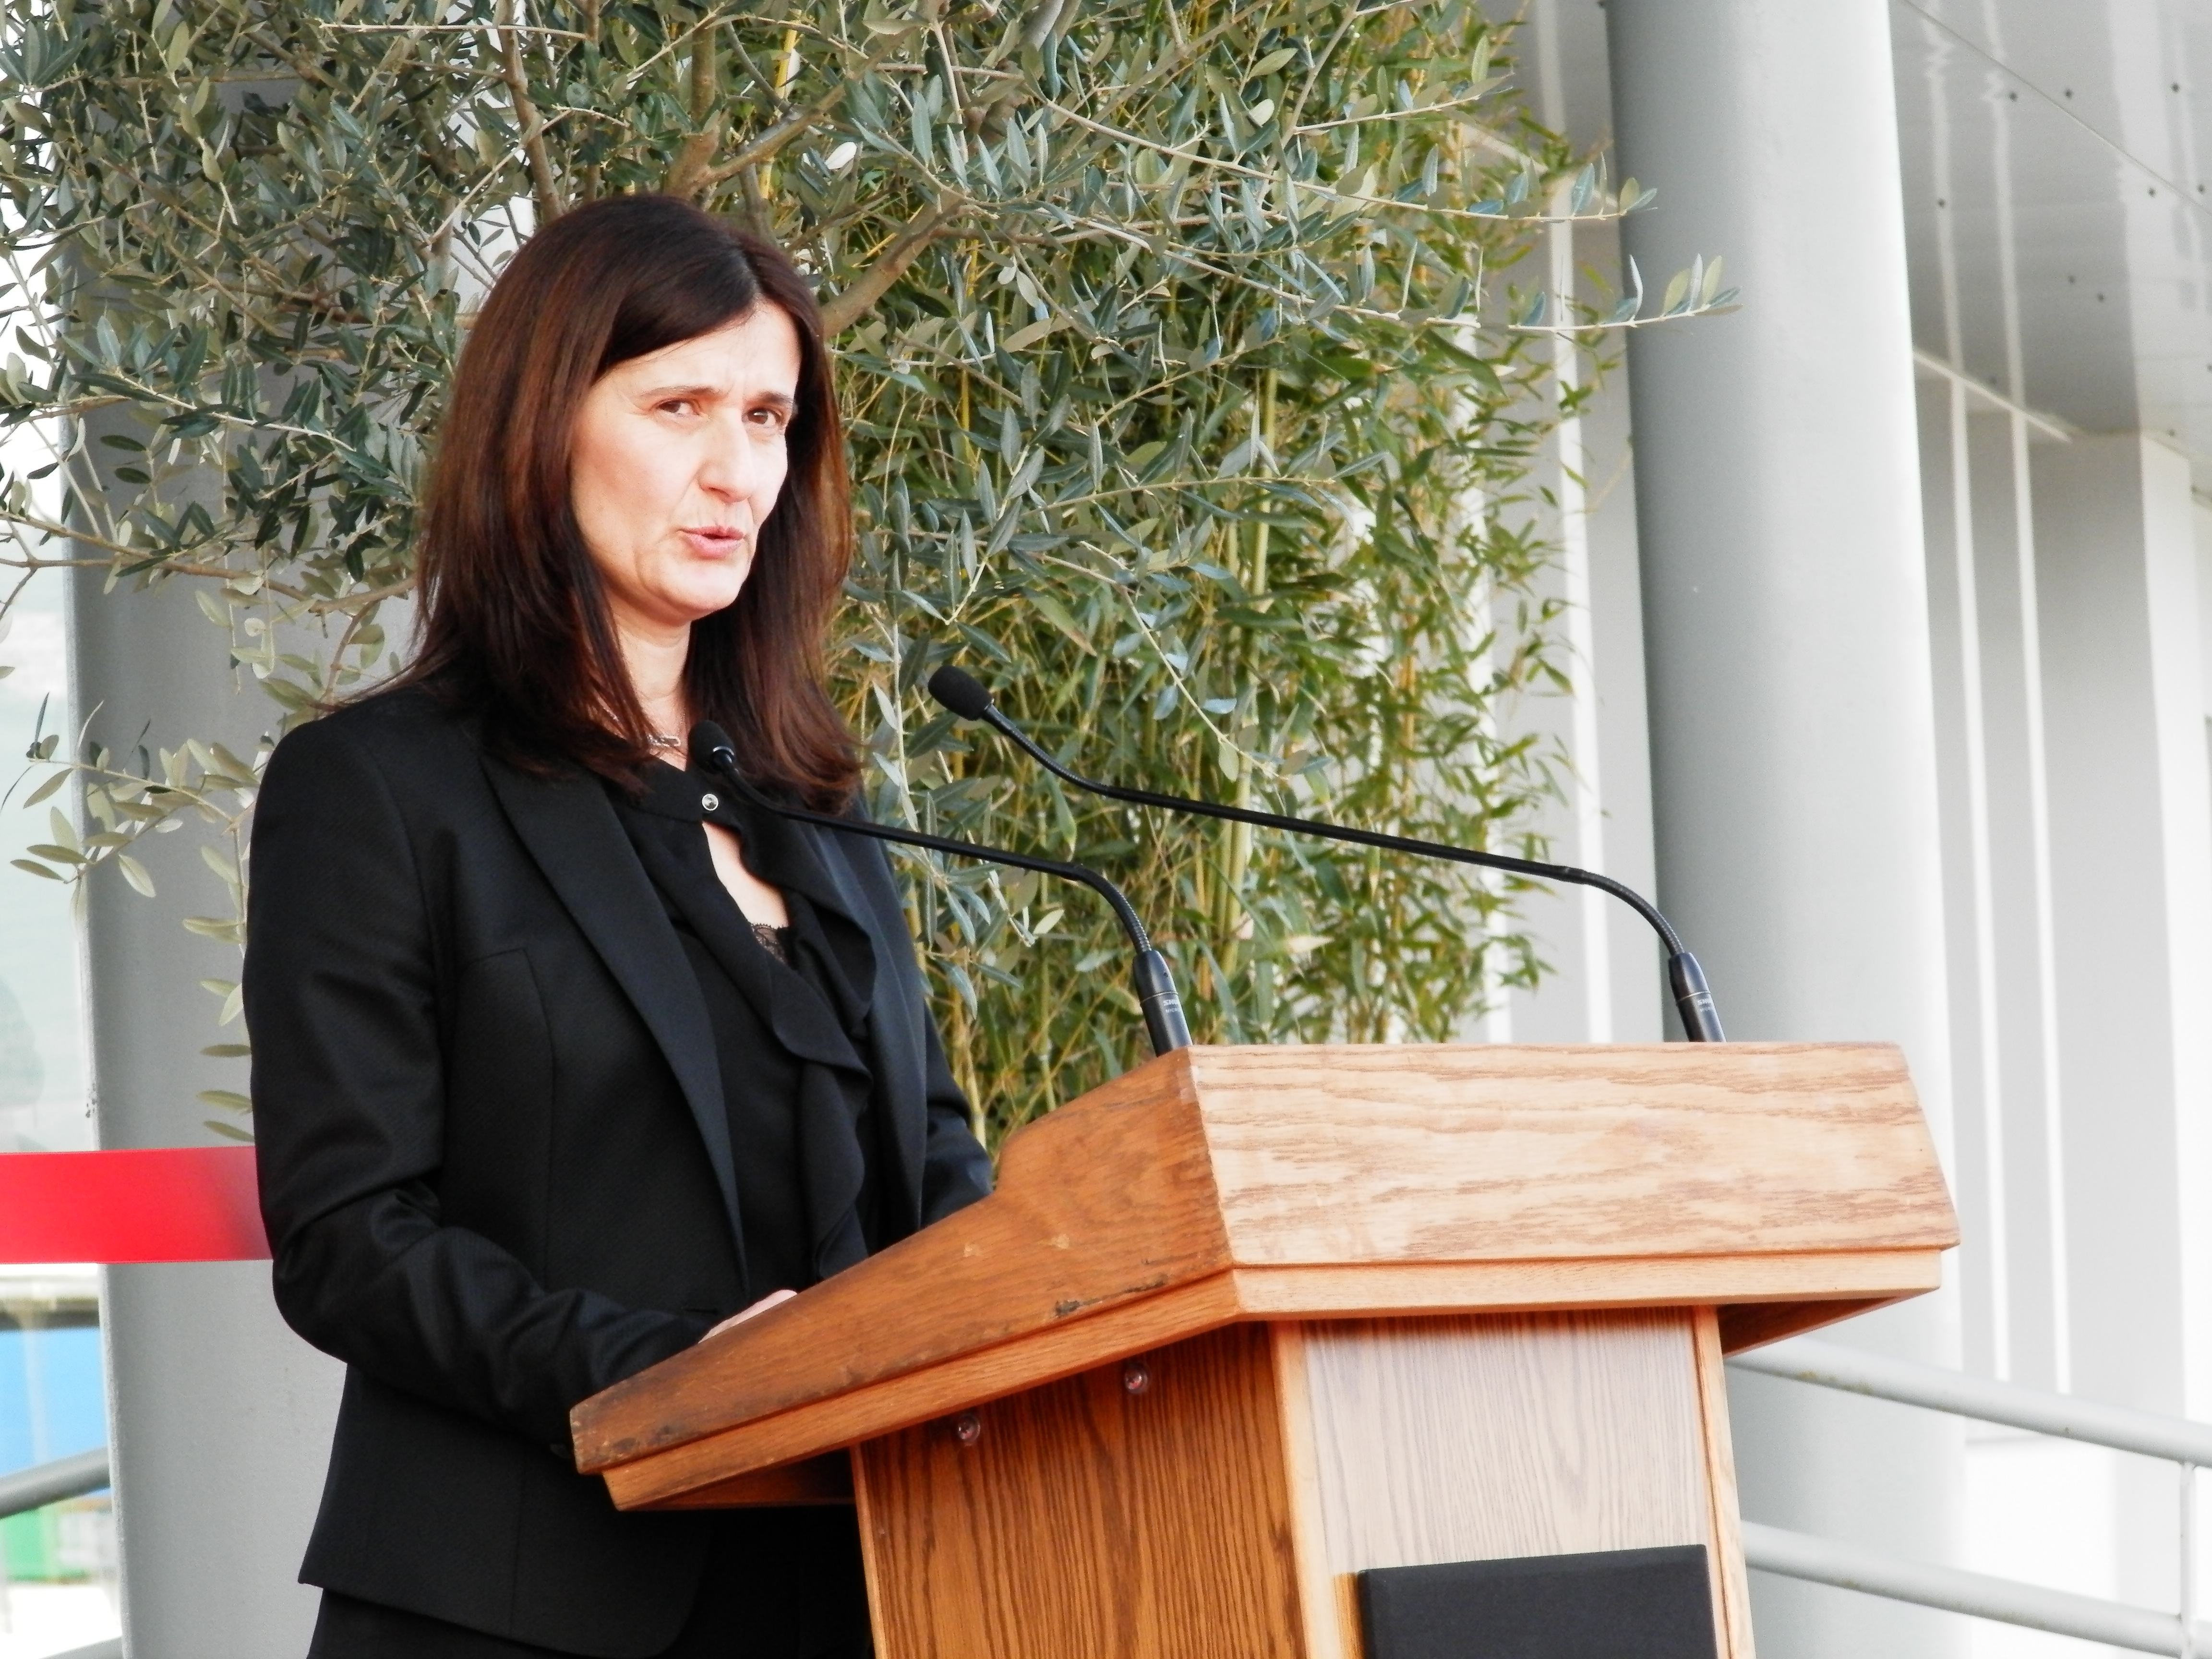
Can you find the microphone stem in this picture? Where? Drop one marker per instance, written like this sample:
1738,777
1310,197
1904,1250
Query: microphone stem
1155,992
1686,979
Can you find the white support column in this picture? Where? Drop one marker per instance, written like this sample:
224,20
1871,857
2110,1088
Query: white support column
1604,983
2036,1078
1979,1188
220,1417
1786,627
1570,463
2132,849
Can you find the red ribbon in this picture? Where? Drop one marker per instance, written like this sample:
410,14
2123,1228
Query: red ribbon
163,1204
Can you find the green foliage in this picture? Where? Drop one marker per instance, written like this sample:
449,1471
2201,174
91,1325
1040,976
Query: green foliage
1192,405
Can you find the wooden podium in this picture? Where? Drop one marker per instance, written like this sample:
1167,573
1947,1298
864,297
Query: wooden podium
1246,1323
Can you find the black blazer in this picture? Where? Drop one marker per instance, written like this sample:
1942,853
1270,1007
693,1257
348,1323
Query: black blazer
494,1160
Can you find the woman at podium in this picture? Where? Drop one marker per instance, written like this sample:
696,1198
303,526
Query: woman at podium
562,1057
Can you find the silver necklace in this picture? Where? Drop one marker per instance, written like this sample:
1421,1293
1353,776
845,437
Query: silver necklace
664,740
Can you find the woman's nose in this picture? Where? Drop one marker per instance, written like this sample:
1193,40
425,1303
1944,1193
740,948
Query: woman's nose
729,469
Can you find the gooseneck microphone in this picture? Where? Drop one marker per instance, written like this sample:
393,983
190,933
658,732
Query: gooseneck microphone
1156,990
964,695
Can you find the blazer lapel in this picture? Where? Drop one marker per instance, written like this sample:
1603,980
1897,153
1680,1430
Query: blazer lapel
572,833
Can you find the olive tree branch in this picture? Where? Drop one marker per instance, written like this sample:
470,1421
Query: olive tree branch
120,552
765,146
855,302
546,186
354,624
339,604
685,173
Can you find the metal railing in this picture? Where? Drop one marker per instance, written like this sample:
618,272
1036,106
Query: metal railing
1773,1549
1826,1561
49,1483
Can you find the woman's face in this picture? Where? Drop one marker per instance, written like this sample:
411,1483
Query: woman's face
676,462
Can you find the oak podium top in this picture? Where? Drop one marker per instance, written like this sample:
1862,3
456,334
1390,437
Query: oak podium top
1786,1184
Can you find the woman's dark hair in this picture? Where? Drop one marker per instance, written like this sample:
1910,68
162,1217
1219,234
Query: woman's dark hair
515,625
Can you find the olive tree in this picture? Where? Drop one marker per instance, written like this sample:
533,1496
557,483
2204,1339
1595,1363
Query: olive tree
1194,386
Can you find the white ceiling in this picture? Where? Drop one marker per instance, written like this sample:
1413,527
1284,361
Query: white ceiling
2059,153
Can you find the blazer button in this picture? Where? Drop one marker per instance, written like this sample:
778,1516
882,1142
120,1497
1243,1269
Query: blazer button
709,803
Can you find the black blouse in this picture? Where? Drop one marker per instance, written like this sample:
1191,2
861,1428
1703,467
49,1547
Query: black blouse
790,1028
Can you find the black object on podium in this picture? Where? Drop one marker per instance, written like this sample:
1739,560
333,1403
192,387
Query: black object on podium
1612,1604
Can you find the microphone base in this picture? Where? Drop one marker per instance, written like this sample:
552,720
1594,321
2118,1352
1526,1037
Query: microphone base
1155,992
1701,1021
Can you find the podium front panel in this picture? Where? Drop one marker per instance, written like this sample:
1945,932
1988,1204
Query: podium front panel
1091,1518
1217,1498
1487,1438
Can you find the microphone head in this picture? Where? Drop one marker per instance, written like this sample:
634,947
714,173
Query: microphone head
961,692
711,746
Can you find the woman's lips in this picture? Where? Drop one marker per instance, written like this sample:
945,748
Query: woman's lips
715,543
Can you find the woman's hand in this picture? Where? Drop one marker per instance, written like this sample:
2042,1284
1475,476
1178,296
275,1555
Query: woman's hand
762,1306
